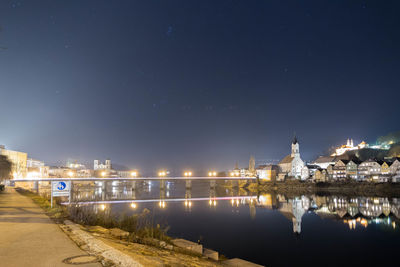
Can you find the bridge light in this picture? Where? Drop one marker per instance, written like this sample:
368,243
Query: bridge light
187,174
70,174
162,173
103,174
212,174
134,174
215,173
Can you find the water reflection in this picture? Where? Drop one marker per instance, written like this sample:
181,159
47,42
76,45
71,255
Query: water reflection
355,211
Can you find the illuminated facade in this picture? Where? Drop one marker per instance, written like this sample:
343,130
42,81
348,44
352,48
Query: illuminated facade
36,169
348,147
18,160
292,165
97,165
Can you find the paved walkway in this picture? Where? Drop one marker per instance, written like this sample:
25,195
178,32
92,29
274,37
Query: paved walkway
28,237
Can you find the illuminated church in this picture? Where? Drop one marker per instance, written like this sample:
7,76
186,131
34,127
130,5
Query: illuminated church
292,165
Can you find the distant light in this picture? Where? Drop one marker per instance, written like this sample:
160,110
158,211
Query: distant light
70,174
102,207
133,174
103,174
133,205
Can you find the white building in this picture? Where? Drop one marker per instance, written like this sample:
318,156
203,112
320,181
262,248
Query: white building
349,146
97,165
292,165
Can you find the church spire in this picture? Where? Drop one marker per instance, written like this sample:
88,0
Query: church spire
294,139
295,147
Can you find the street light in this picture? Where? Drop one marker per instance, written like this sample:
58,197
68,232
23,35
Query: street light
188,174
162,173
103,174
133,205
70,173
134,174
212,174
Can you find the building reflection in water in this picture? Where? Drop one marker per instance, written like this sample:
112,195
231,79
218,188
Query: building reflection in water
353,211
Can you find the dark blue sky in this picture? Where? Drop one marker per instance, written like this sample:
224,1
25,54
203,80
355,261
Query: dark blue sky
195,84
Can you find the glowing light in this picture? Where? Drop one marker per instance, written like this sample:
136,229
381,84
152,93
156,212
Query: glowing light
133,174
70,174
187,174
162,204
31,175
133,205
102,207
103,174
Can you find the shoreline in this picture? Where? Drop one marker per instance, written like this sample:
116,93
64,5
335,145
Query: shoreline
366,189
141,250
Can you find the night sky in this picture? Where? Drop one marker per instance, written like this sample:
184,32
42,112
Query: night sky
195,84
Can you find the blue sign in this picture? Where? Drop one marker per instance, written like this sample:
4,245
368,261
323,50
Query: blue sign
60,188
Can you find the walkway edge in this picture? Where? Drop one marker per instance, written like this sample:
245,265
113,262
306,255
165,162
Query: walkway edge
97,247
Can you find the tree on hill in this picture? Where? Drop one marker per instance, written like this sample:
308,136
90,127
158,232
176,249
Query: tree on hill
394,150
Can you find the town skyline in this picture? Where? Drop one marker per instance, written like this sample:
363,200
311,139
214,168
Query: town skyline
384,142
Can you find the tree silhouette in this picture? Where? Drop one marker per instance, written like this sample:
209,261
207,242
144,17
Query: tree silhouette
5,168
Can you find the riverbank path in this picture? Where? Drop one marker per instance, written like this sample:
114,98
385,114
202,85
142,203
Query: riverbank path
28,237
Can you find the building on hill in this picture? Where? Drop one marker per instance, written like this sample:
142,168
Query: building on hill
352,169
339,170
395,165
369,169
292,165
348,147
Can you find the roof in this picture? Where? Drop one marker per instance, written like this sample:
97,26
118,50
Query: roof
295,140
323,159
287,159
356,161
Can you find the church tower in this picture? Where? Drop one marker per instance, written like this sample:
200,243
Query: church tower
295,148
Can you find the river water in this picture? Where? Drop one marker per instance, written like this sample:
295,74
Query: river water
270,229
